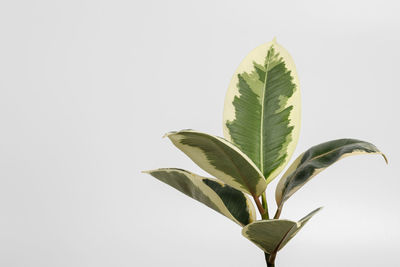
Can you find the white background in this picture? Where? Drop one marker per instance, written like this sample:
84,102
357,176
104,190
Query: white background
87,89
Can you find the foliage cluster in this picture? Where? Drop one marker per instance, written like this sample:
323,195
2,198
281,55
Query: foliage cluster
261,127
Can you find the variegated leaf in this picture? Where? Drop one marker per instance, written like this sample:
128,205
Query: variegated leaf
298,227
221,159
273,235
220,197
317,159
262,108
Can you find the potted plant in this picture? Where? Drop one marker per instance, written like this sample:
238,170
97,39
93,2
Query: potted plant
261,128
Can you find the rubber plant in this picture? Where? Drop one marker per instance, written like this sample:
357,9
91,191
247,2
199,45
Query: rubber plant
261,123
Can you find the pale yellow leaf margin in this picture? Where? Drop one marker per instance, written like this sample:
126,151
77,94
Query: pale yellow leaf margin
258,55
200,158
281,196
216,202
286,228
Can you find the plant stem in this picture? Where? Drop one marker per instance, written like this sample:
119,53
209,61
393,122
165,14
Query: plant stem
263,209
278,212
264,216
259,205
271,260
267,260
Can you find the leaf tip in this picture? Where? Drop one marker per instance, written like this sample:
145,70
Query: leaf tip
385,158
168,134
274,40
316,211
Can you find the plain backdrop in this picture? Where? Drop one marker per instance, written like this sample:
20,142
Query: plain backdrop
88,88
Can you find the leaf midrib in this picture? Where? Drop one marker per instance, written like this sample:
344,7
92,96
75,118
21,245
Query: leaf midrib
283,239
262,115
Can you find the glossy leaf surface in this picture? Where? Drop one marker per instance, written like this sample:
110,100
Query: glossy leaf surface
317,159
221,159
262,108
222,198
273,235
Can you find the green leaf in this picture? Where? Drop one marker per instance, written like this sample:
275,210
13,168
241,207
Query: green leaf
317,159
221,159
220,197
262,108
272,235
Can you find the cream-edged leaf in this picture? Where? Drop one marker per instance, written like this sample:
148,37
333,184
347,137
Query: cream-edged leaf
273,235
220,197
317,159
262,108
221,159
298,227
268,234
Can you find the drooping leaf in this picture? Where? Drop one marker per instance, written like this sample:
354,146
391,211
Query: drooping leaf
317,159
220,197
221,159
262,108
273,235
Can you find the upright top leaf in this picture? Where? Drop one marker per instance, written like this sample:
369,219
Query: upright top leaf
262,108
